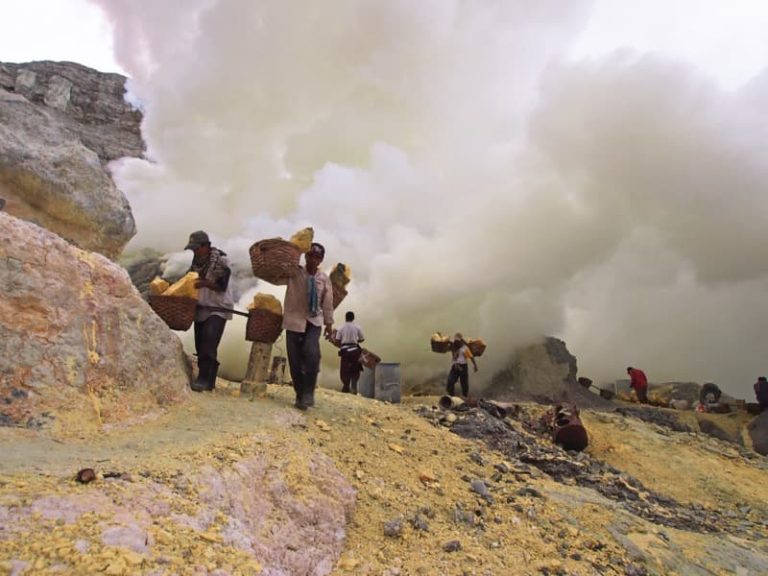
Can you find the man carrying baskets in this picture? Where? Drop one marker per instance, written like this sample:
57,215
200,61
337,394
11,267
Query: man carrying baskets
214,294
349,336
308,306
460,353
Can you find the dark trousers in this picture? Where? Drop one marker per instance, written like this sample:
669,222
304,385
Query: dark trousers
642,395
207,337
458,372
304,358
350,368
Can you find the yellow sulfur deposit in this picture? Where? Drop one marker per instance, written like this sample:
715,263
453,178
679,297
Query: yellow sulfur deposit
303,239
266,302
184,287
440,343
158,286
341,275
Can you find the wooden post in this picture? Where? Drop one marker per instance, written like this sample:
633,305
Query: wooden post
255,381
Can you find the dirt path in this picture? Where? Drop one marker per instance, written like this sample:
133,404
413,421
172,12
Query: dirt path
205,418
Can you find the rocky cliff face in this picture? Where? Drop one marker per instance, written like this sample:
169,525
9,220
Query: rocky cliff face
80,346
60,124
92,100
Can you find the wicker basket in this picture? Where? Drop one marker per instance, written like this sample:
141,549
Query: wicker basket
369,359
476,347
440,346
274,260
176,311
263,326
339,293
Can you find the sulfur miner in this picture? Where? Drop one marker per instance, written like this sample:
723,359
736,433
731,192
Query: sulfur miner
214,305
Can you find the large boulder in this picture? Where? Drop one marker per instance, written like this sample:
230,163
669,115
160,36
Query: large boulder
80,346
758,433
60,123
539,371
542,372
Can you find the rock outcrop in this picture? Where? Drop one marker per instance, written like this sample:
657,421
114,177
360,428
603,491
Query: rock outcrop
80,346
93,100
60,124
544,372
758,433
143,267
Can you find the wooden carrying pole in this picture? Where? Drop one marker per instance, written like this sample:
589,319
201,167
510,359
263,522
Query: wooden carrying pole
255,381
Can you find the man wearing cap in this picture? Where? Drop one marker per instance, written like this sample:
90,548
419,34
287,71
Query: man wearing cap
460,353
308,307
214,298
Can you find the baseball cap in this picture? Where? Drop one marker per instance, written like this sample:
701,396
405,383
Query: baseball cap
197,239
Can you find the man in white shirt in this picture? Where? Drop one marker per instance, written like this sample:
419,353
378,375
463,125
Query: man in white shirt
349,336
460,353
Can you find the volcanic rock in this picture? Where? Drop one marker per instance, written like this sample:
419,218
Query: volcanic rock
60,124
80,346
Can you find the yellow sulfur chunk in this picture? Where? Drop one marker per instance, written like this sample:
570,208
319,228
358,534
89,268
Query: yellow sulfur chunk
158,285
266,302
341,275
303,239
184,287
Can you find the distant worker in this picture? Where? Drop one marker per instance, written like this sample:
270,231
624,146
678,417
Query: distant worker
349,336
761,393
214,298
710,393
308,306
460,353
639,383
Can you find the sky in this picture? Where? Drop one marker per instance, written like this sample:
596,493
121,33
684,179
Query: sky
591,170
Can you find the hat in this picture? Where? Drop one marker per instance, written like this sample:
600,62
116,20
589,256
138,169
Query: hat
197,239
318,249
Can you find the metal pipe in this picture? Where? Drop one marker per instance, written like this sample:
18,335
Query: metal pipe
450,402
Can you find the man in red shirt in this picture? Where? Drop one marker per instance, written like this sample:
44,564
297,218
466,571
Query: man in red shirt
639,383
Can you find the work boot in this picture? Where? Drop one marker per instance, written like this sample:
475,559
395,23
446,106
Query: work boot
201,382
213,371
310,383
298,388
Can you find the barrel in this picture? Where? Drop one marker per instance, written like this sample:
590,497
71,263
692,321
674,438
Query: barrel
387,382
568,431
365,383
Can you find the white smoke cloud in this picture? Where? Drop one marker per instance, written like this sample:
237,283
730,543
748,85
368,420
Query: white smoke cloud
473,177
